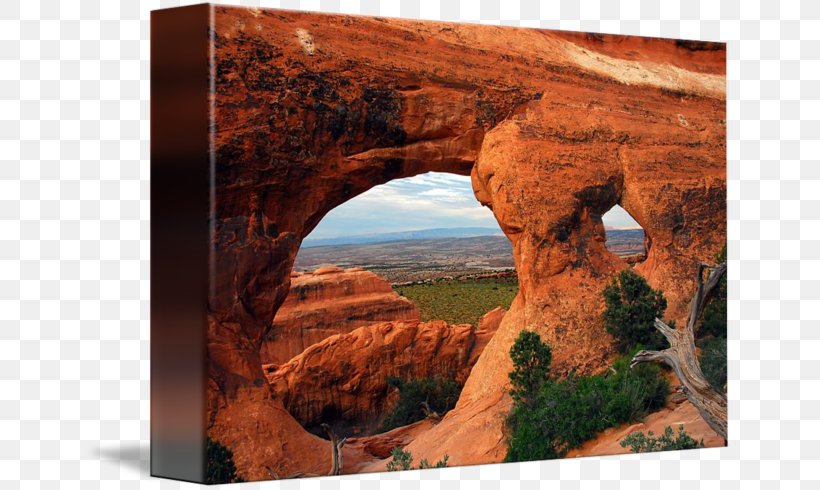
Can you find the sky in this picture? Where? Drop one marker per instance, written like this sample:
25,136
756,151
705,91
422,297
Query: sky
431,200
617,217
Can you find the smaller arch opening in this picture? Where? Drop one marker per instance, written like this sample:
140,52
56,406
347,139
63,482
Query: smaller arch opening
625,237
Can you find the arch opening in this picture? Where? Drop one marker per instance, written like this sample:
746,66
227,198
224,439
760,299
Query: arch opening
430,207
412,271
625,237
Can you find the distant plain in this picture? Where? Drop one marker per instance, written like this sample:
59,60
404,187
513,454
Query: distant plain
420,259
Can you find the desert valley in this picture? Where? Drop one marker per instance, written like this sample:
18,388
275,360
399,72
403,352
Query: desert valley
424,258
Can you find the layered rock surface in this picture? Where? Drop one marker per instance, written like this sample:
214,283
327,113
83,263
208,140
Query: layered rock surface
330,301
344,377
312,110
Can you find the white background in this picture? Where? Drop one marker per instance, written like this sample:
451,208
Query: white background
75,230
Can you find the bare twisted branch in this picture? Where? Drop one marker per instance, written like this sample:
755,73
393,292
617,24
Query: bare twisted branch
681,356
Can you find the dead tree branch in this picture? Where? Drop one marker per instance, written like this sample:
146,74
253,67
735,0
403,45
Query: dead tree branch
430,413
336,445
681,356
704,292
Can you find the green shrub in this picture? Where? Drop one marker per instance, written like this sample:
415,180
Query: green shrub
653,387
576,409
221,468
439,393
442,463
712,334
713,361
563,414
531,364
631,309
530,436
403,460
638,442
569,412
714,314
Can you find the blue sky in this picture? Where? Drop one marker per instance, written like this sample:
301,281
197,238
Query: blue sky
431,200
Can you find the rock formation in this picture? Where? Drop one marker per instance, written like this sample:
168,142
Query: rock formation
329,301
487,326
554,127
345,375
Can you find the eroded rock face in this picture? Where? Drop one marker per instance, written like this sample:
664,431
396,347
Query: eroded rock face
312,110
327,302
667,170
344,377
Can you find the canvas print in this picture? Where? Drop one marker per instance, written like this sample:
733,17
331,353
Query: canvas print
383,244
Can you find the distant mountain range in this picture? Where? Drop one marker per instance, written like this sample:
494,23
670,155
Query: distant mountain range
428,234
622,228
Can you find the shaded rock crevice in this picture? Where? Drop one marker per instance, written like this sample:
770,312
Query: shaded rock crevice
344,378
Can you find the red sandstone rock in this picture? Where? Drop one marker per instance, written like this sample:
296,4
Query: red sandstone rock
327,302
487,326
277,437
582,164
555,127
328,269
380,446
347,374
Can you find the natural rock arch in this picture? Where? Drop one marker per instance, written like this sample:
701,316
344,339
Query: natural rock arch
551,127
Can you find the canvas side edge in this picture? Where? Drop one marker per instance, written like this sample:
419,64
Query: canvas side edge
180,211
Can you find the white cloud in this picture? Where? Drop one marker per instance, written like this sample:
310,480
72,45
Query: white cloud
618,218
432,200
440,193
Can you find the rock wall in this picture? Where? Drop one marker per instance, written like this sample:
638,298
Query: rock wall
329,301
346,375
312,110
549,175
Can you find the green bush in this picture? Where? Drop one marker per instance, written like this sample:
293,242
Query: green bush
713,361
563,414
439,393
442,463
530,436
639,442
631,309
651,386
221,468
531,360
403,460
714,314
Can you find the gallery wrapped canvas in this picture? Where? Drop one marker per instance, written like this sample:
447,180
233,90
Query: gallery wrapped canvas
383,244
